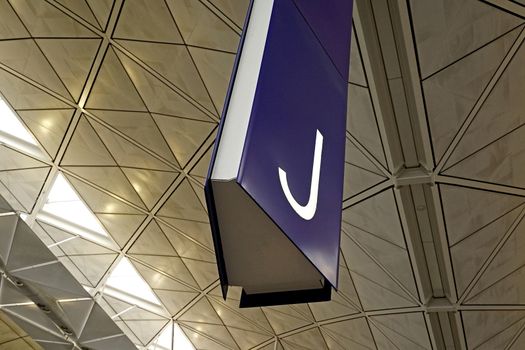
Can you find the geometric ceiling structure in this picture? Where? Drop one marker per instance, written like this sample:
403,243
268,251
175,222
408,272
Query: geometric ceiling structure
116,104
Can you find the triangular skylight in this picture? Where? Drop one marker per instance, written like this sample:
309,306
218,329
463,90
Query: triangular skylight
14,133
66,210
126,284
172,338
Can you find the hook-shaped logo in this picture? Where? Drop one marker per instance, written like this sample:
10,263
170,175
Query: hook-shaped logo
307,211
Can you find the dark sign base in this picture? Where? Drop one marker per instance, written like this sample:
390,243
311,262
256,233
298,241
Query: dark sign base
285,298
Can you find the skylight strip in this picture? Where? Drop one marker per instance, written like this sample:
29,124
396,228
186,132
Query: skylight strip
14,133
65,209
126,284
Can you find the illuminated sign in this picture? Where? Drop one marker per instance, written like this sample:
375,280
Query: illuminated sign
274,189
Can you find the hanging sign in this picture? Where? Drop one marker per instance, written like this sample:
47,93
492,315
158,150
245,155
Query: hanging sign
274,188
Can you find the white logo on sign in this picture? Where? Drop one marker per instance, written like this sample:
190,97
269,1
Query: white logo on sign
307,211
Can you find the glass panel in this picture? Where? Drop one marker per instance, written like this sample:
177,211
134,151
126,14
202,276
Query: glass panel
125,278
65,204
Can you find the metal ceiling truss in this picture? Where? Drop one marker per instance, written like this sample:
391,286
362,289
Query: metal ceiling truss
38,292
385,29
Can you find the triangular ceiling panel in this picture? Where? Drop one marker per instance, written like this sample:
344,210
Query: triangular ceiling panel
175,64
519,343
355,332
509,290
201,342
469,254
121,226
9,294
216,332
92,329
149,184
235,10
508,260
285,318
405,330
358,180
146,330
141,127
86,148
45,20
199,231
482,207
237,318
202,312
355,157
200,170
73,246
152,241
147,21
215,68
497,117
346,285
12,160
360,172
159,97
184,204
504,338
80,8
336,307
93,266
71,59
480,326
25,57
22,95
111,179
48,126
357,73
204,272
159,281
11,27
113,89
361,121
311,339
375,287
101,9
451,93
73,269
98,201
200,27
256,316
125,152
392,257
505,157
184,136
446,36
378,216
77,313
171,265
175,301
187,248
247,339
25,184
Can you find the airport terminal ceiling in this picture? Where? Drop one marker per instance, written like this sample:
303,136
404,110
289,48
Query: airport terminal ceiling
109,110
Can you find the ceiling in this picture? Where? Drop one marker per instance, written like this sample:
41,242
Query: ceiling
124,98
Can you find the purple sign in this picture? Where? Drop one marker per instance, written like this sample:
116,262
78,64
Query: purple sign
275,184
